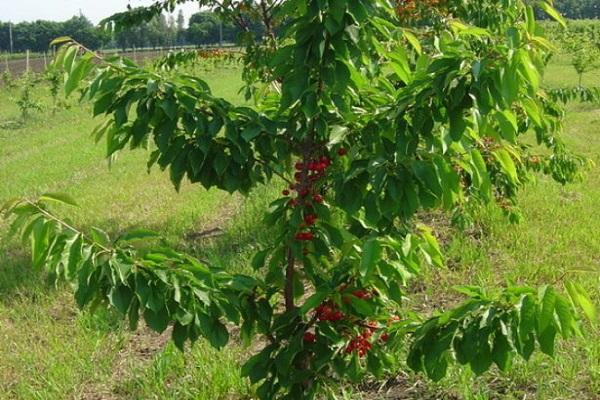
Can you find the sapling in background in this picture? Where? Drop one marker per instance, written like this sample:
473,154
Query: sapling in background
27,101
583,52
7,79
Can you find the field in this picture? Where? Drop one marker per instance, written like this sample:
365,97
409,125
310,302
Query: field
37,63
16,64
50,350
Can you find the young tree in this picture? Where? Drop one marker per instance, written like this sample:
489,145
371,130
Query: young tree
369,111
584,53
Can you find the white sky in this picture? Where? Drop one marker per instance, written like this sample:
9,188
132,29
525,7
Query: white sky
60,10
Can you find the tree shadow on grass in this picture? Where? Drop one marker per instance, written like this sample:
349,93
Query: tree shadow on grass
18,278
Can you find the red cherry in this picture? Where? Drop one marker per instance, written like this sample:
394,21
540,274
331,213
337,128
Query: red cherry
293,203
298,176
323,312
342,152
325,160
361,294
310,219
317,198
336,316
310,337
384,337
304,236
303,192
286,192
299,166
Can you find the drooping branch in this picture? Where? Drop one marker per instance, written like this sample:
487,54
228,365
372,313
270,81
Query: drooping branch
162,284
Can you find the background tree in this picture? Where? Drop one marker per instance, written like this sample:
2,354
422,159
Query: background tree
583,52
36,36
576,9
180,28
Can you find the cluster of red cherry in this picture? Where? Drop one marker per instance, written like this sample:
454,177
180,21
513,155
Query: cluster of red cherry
307,175
363,342
328,312
360,344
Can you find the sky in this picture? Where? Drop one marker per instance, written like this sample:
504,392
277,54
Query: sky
60,10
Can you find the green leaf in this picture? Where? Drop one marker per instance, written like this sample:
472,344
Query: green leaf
546,316
400,65
100,237
371,253
508,165
458,124
529,70
551,11
508,125
59,198
157,320
76,75
120,298
259,259
313,301
60,40
361,306
533,111
39,242
179,336
213,330
580,298
564,312
546,339
502,351
256,368
482,359
412,39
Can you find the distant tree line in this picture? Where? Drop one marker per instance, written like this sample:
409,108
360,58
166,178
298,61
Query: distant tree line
36,36
162,31
204,28
576,9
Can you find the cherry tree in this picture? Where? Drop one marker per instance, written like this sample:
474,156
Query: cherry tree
367,113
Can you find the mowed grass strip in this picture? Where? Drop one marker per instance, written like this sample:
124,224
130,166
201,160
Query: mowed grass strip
49,350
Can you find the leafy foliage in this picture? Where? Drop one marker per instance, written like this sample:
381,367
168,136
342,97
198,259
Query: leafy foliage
487,330
159,284
578,93
26,100
369,119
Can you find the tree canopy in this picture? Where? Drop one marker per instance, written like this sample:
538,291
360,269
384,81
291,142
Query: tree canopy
36,35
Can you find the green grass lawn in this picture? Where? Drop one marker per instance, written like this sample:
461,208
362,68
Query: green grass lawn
50,350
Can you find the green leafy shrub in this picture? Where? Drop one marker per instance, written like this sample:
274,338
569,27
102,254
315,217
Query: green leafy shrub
26,101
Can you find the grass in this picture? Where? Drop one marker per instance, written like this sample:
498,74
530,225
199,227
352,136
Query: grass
50,350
